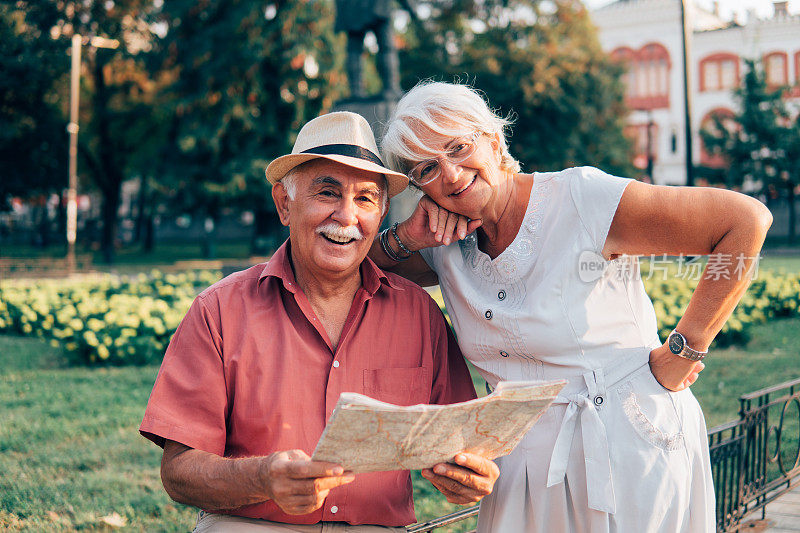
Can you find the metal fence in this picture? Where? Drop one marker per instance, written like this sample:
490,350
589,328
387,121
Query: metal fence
754,459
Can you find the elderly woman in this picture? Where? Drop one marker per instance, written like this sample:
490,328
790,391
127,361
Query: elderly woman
548,288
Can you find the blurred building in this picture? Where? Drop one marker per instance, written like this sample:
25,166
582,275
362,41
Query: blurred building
647,36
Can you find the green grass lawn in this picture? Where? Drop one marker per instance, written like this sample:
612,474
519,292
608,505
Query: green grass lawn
70,452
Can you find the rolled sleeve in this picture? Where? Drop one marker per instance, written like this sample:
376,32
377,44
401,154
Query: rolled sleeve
189,401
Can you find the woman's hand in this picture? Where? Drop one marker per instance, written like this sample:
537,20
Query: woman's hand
430,225
673,372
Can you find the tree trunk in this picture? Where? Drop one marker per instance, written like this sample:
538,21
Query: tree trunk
111,203
209,241
145,232
62,218
792,215
138,229
149,242
261,242
44,229
110,161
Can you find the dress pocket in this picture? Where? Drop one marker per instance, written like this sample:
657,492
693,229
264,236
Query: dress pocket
400,386
651,411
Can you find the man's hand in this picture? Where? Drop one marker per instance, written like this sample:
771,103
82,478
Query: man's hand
299,485
467,481
673,372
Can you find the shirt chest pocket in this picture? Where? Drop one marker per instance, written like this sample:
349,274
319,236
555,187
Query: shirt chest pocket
400,386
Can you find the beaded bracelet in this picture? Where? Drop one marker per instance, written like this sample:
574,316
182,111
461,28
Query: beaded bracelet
399,242
384,240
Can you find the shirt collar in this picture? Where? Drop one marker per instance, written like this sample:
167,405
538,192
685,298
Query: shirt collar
279,266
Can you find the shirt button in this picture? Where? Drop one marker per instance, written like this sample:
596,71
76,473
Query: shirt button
335,365
488,314
598,400
501,295
503,353
334,509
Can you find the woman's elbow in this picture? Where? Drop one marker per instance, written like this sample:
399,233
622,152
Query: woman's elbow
765,217
760,217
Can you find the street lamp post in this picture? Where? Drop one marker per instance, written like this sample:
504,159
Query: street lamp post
72,128
687,95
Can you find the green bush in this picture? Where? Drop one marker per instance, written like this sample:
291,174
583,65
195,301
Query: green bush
129,320
103,319
770,295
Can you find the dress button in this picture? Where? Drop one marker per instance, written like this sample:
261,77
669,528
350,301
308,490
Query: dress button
334,509
336,364
598,400
501,295
488,314
503,353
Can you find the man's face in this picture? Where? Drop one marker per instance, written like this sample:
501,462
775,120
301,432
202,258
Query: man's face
333,218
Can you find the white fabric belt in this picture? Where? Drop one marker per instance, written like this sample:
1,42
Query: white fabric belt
599,485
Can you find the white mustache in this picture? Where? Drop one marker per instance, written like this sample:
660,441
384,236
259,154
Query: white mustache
331,229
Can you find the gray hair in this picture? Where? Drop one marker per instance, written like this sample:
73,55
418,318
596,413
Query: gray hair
289,182
447,109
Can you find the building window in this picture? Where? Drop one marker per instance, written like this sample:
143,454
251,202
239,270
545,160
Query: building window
776,67
709,124
647,78
719,72
797,68
645,143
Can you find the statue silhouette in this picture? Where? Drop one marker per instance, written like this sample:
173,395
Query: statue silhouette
357,17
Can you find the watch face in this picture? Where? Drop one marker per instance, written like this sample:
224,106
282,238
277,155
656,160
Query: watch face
676,343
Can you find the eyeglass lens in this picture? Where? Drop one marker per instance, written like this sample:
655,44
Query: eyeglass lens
429,170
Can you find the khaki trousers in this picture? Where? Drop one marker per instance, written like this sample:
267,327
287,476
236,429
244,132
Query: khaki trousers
220,523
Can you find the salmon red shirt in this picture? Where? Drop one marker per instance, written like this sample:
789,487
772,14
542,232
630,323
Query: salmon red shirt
251,371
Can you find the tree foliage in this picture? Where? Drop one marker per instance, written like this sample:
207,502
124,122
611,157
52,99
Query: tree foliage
761,142
33,138
246,77
114,87
540,61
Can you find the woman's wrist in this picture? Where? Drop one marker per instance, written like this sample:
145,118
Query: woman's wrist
407,241
390,249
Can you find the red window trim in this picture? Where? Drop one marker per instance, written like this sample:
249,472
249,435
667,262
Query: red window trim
785,57
648,52
716,160
719,57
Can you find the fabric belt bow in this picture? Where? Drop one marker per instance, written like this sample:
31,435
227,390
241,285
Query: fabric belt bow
599,485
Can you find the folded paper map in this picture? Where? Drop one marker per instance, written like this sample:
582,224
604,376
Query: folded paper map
367,435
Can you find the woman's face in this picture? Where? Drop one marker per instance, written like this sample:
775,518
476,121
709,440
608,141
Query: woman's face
469,186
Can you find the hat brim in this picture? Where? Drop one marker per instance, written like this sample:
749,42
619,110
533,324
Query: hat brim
279,167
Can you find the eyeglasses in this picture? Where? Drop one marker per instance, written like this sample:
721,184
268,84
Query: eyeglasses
459,150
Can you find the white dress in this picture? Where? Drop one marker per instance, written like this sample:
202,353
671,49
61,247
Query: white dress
616,452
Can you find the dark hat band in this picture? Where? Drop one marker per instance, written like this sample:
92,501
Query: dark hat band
349,150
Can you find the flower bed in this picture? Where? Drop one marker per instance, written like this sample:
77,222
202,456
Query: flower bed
122,321
106,319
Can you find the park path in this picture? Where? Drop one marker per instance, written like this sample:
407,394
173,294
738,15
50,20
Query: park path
783,515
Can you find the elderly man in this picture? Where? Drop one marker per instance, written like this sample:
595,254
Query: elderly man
257,365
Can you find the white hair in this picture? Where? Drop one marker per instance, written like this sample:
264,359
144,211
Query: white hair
446,109
289,182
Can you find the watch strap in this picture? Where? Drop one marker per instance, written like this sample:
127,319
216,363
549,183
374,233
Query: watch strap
686,352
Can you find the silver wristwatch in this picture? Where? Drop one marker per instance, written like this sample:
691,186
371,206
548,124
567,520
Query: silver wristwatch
677,345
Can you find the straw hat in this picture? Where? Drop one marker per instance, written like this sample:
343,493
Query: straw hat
343,137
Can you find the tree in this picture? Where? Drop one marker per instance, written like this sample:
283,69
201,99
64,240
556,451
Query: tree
761,142
247,76
540,61
33,139
114,109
